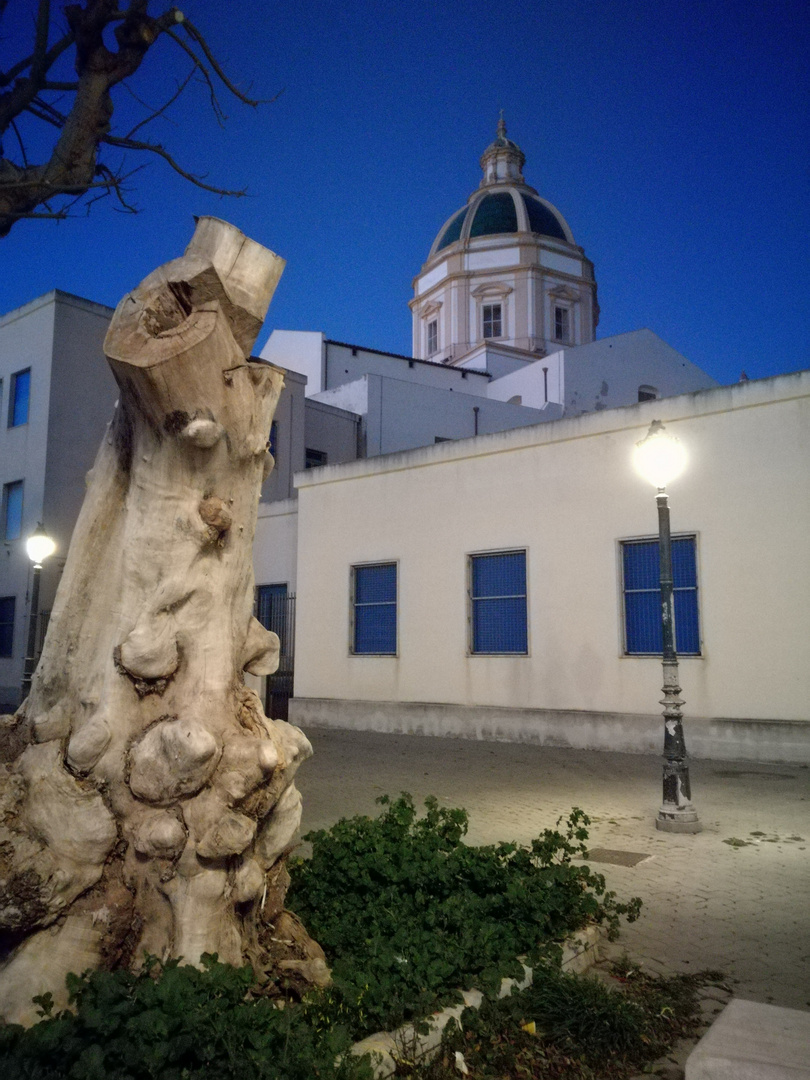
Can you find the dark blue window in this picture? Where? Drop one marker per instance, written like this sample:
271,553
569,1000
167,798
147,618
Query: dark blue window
19,398
498,602
375,609
642,596
12,510
7,625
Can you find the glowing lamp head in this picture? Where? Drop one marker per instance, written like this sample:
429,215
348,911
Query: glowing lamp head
659,457
39,546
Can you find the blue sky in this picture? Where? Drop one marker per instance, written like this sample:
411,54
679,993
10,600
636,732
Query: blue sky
673,138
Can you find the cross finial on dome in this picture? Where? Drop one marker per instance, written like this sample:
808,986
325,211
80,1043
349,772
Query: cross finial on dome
501,126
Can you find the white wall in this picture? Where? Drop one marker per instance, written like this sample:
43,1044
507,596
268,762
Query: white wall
566,492
298,350
274,548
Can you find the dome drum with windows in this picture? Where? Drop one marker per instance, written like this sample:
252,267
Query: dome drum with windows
510,249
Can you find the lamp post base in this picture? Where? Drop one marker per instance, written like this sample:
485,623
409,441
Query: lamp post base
678,821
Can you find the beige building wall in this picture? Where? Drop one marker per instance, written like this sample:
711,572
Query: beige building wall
566,492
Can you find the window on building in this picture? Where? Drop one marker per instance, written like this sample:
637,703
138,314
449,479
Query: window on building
493,321
562,324
7,625
647,393
272,611
19,398
642,597
374,608
498,619
432,337
314,458
12,510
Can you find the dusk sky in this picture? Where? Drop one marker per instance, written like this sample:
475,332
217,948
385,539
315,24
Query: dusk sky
672,136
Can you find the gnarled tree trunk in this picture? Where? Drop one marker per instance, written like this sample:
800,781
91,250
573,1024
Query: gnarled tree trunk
147,803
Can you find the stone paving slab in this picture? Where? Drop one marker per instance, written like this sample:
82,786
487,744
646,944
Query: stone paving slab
752,1041
734,897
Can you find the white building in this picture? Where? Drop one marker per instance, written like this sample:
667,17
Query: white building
56,398
506,587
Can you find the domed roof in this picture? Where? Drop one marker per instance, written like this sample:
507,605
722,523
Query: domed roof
512,207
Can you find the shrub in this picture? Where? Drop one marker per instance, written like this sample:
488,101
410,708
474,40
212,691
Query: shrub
174,1023
408,914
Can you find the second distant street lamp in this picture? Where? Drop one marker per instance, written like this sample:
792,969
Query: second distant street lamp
660,458
39,547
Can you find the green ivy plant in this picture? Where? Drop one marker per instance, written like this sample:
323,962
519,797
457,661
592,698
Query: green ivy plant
172,1022
408,914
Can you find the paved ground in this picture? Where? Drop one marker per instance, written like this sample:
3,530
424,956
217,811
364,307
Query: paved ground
741,907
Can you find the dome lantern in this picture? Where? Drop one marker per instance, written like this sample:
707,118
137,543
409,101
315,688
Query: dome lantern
503,160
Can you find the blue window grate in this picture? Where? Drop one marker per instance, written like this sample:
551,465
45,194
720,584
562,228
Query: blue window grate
642,597
375,609
12,510
19,398
498,602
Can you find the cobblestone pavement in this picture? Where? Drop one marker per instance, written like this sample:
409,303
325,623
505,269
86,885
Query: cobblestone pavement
735,897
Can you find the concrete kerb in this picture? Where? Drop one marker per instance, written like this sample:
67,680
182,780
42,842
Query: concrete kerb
581,952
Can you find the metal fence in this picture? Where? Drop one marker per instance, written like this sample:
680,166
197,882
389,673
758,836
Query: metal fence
275,610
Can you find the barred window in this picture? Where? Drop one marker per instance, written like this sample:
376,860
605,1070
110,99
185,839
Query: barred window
7,604
374,609
498,614
642,597
273,612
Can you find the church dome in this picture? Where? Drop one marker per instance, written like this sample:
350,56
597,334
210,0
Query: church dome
504,203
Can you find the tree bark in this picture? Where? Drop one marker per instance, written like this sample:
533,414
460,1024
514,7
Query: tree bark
147,804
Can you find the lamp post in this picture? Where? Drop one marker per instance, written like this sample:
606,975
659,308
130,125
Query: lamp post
660,458
38,546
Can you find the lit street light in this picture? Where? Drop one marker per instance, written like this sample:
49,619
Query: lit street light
660,458
39,547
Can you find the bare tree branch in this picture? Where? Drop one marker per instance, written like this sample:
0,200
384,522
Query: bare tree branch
156,148
84,120
158,112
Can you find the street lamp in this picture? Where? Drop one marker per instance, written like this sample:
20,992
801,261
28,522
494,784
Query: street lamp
659,458
38,546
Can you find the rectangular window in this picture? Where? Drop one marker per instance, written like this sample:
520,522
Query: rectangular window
271,611
493,323
12,510
432,337
19,398
498,620
642,597
314,458
374,606
7,625
561,324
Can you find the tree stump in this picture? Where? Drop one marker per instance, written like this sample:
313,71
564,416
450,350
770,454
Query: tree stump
147,805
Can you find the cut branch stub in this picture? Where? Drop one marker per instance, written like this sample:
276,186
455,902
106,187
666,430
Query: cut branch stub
150,784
